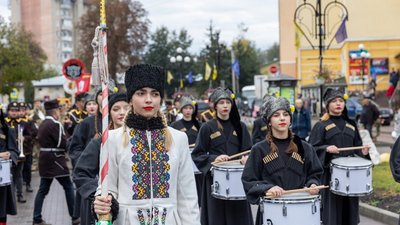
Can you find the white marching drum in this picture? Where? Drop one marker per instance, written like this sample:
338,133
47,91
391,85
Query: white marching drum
227,181
351,176
195,169
291,209
5,172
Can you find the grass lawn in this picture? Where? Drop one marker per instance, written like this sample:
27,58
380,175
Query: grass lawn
386,194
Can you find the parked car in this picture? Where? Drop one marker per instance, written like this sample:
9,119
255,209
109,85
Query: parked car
354,108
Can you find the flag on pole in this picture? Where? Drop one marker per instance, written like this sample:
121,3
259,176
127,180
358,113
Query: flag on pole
190,77
207,72
341,33
181,84
236,67
169,77
214,73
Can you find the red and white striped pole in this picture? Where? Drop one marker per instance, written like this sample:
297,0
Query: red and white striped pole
104,77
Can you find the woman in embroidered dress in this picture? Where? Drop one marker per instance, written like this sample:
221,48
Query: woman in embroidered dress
150,173
282,161
87,168
335,130
218,138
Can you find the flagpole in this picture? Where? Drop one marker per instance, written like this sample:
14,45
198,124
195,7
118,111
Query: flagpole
101,75
233,72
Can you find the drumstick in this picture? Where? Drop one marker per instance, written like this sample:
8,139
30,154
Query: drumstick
224,162
299,190
350,148
192,145
239,154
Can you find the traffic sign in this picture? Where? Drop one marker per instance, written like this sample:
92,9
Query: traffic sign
273,69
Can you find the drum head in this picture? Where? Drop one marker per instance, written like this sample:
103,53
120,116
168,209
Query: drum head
229,165
351,162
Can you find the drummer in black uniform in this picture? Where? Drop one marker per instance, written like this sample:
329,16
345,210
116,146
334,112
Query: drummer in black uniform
52,161
395,161
282,161
14,122
335,130
260,127
191,126
8,151
218,138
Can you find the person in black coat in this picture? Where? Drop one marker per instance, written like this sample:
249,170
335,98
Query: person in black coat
87,167
282,161
52,161
301,120
335,130
8,151
191,126
218,138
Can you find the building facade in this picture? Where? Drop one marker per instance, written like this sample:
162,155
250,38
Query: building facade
369,23
52,24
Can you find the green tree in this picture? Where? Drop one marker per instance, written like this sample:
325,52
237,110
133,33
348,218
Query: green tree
269,55
245,51
162,46
126,36
21,58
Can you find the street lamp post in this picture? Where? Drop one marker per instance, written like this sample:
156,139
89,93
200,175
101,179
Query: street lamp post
179,59
316,27
215,48
364,56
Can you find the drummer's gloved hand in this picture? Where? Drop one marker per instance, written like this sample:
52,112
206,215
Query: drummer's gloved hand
5,155
222,158
332,149
312,190
243,160
365,150
275,191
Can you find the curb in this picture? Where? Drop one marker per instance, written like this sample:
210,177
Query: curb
379,214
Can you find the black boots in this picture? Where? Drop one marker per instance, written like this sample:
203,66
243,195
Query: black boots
21,199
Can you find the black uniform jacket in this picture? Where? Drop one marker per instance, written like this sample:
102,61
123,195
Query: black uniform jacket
259,130
86,177
7,193
212,142
52,141
324,134
264,170
83,134
191,133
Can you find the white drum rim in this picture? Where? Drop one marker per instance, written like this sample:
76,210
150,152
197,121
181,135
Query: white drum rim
361,194
338,161
292,199
350,167
228,166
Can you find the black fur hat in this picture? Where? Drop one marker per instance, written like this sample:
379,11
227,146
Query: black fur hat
272,104
144,75
52,104
331,94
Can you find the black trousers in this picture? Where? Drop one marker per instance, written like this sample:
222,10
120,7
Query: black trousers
27,169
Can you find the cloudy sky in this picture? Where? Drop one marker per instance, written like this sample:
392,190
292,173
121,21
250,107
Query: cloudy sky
260,16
